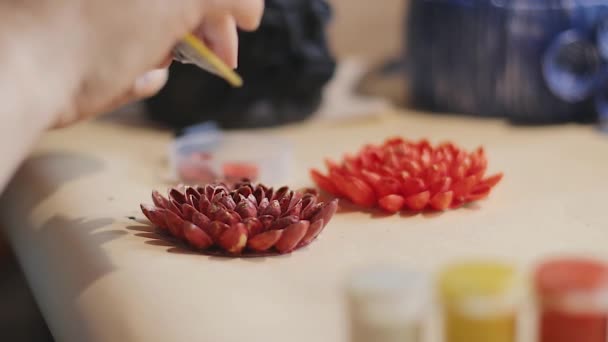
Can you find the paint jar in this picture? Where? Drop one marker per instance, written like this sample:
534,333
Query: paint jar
480,302
386,305
207,154
572,295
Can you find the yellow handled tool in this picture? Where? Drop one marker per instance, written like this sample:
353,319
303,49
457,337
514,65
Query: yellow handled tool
192,50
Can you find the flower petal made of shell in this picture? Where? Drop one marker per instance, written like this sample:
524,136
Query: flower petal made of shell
314,230
228,202
392,203
442,185
480,192
174,223
266,221
188,211
491,181
355,189
331,165
253,225
193,201
441,200
464,186
209,191
228,217
196,236
265,241
159,200
215,229
284,222
200,220
280,193
263,204
327,211
260,196
412,186
176,208
412,167
154,215
234,239
383,186
311,211
292,236
215,209
419,201
458,172
245,191
190,191
273,209
203,204
308,201
435,173
285,201
324,183
269,192
177,196
295,210
246,209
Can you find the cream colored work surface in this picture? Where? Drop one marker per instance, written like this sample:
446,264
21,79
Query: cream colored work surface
99,276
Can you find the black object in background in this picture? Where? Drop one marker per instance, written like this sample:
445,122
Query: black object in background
490,58
285,65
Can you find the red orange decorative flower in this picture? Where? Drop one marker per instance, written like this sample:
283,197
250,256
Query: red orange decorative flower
243,219
401,174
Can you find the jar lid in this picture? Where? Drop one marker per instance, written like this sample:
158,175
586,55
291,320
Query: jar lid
573,284
480,288
387,294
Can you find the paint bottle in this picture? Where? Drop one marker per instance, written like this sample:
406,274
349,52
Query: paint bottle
480,302
386,305
572,297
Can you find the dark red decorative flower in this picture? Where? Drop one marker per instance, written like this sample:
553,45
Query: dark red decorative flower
401,174
242,219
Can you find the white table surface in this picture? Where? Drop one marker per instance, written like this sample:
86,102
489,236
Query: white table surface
100,276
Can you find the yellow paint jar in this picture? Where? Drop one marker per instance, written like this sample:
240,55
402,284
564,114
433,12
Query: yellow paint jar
480,302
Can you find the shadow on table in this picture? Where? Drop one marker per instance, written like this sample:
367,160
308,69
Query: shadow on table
156,239
62,266
173,246
40,176
53,258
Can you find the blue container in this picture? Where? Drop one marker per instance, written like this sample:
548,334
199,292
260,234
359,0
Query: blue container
532,61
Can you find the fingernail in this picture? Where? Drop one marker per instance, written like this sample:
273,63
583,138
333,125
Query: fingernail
151,82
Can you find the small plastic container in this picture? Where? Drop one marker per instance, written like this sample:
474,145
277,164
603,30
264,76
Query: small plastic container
209,155
480,302
572,295
386,304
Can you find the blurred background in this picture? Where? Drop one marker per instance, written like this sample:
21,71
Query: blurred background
367,29
526,61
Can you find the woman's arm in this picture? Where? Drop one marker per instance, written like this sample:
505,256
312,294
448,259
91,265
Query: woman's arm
38,75
64,61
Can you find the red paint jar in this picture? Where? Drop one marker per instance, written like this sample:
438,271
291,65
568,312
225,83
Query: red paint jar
573,300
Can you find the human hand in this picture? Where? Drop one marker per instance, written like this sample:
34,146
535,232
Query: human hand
122,48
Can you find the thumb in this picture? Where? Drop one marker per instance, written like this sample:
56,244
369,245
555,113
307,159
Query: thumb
150,83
